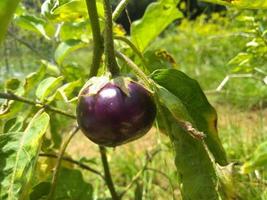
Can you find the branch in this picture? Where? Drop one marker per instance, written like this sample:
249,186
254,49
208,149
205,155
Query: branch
134,67
108,41
97,38
12,96
58,164
108,177
140,172
70,160
133,47
117,12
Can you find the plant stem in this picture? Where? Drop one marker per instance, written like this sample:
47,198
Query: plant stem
97,38
135,68
70,160
107,174
108,41
121,6
58,164
133,47
12,96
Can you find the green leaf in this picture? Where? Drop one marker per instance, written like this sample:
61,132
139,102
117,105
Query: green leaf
203,114
47,87
70,186
67,91
18,153
257,160
159,59
76,30
7,9
68,11
33,79
243,4
157,17
174,104
32,23
14,125
64,48
197,175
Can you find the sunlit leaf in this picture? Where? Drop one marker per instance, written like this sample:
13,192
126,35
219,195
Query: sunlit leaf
70,186
197,105
157,17
32,23
255,4
257,160
47,87
64,48
19,152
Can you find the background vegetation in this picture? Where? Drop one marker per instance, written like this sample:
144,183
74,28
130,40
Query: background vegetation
208,48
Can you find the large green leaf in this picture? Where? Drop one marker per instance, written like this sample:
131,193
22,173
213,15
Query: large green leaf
32,23
204,116
70,186
249,4
257,160
7,9
18,153
64,48
157,17
197,176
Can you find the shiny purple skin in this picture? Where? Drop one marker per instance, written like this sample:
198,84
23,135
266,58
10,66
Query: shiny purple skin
111,118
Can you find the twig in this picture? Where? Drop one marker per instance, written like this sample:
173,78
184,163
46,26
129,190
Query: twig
133,47
134,67
12,96
70,160
58,164
228,77
97,38
140,172
121,6
108,177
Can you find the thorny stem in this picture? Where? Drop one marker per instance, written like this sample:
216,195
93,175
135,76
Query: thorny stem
97,38
107,174
58,163
76,162
121,6
12,96
108,41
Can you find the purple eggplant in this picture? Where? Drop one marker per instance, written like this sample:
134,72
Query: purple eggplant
115,113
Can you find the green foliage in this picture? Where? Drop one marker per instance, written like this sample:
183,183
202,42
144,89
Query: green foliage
257,160
197,175
33,24
243,4
19,153
71,185
66,47
152,22
47,87
203,115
